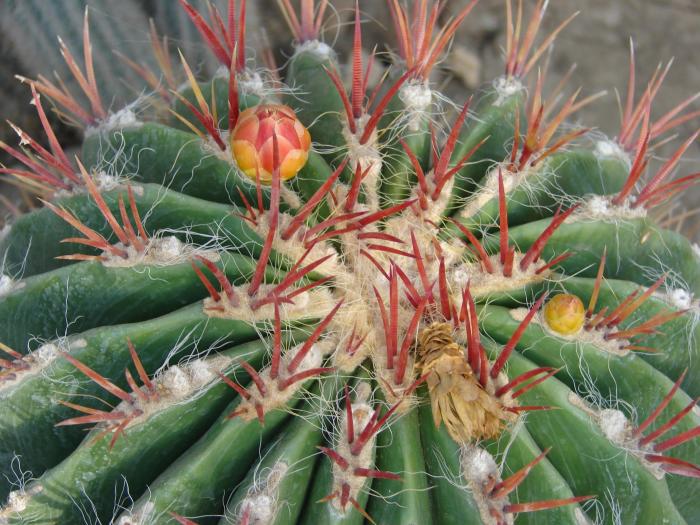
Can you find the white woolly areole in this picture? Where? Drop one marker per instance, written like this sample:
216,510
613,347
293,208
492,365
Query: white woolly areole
201,372
478,465
506,87
7,285
417,98
107,182
679,298
167,248
43,355
613,423
124,118
17,502
175,379
608,149
221,72
480,470
183,380
251,82
261,501
601,207
175,384
261,509
318,48
162,251
121,119
614,426
37,361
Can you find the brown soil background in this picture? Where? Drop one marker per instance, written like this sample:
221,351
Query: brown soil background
597,41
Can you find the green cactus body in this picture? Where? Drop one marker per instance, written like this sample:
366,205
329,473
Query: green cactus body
335,311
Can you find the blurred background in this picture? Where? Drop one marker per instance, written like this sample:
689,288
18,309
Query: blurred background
597,41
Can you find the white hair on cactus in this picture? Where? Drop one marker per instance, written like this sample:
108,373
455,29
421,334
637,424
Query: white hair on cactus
164,250
167,248
17,501
680,298
45,354
7,285
416,95
607,149
261,502
599,205
506,87
124,118
318,48
175,379
200,372
417,98
107,182
251,82
614,425
260,509
478,465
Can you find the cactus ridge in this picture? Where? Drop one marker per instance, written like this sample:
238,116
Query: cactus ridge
277,297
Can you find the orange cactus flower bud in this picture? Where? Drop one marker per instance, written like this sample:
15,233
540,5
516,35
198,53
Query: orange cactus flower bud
252,142
564,314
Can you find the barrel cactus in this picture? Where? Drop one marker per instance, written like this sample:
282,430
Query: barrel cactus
276,297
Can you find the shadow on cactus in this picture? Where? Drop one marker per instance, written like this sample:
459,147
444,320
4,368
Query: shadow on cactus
272,297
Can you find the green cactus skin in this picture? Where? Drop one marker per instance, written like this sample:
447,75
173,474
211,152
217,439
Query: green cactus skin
96,295
149,151
28,249
367,340
317,102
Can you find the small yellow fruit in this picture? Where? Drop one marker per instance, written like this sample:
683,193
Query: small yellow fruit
564,314
252,143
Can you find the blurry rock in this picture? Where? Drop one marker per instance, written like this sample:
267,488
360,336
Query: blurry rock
465,65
